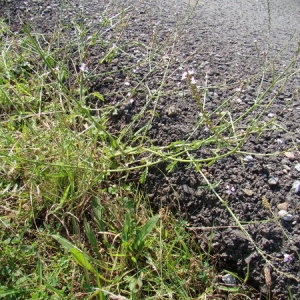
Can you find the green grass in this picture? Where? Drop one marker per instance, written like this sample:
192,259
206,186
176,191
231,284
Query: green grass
72,224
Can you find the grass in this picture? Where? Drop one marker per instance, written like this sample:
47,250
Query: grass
72,223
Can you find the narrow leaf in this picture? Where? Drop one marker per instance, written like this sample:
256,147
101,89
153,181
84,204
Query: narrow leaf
144,231
81,258
98,95
144,175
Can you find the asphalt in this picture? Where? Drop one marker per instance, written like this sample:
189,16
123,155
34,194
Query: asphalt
273,26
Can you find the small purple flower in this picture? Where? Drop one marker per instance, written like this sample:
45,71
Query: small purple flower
83,68
230,189
193,80
187,74
288,258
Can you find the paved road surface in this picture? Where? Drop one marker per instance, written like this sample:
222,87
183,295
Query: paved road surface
272,24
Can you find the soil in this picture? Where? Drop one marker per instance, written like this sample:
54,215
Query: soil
235,49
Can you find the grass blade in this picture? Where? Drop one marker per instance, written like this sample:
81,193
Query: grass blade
139,240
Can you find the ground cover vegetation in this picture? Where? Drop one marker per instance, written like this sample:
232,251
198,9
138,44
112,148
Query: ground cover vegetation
75,222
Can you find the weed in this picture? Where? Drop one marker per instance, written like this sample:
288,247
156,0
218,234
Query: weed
70,227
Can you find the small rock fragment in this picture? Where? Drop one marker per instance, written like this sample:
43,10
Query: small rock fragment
286,168
248,158
296,186
297,167
238,100
108,80
229,279
248,192
285,161
288,218
280,141
273,181
283,206
282,213
230,190
171,111
290,155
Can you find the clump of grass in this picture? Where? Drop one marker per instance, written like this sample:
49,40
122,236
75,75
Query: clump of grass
72,225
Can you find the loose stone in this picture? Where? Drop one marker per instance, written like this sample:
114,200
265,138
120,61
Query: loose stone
248,158
283,206
290,155
248,192
297,167
273,181
285,161
288,218
229,279
171,111
280,141
108,80
282,213
296,186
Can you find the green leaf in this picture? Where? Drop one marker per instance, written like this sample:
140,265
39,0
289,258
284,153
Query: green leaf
228,288
98,95
81,258
126,228
65,195
39,270
7,292
144,231
90,234
144,175
171,166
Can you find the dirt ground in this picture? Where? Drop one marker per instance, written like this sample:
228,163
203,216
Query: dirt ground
235,49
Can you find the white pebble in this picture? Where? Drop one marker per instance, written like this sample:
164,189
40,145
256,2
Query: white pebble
229,279
282,213
248,158
296,186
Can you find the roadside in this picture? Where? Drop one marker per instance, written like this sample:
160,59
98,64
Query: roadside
235,50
